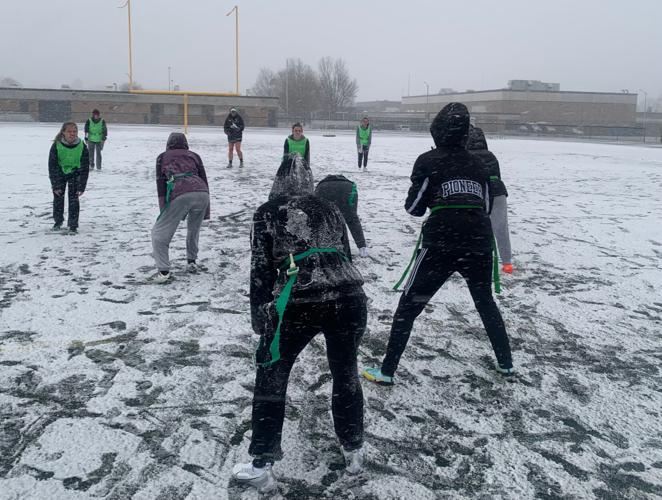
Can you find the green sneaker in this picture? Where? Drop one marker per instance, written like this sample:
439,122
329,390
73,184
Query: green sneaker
375,375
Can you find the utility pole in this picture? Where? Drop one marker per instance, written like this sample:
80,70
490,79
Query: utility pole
235,9
287,89
645,110
169,80
128,4
427,101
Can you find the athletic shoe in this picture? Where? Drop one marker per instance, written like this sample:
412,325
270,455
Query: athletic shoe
363,252
507,268
159,278
229,165
375,375
56,227
354,460
506,372
73,230
192,267
241,164
261,478
98,168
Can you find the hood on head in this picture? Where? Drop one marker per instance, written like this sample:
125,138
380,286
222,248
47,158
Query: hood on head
451,125
177,140
476,139
294,178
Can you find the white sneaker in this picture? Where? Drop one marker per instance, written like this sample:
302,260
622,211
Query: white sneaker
160,279
363,252
261,478
354,460
506,372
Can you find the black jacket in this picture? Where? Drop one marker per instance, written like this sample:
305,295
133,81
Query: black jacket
449,176
291,222
477,144
58,178
234,127
104,129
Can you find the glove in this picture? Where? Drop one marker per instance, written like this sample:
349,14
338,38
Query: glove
363,252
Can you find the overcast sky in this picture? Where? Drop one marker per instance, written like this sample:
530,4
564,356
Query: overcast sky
391,47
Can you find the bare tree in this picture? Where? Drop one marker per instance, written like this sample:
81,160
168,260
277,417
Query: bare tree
337,88
10,82
125,86
267,83
299,89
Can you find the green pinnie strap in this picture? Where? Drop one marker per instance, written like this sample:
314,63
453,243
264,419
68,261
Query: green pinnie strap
497,287
284,298
351,200
170,185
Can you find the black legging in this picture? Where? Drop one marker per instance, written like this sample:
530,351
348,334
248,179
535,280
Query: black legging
363,155
70,185
432,268
342,322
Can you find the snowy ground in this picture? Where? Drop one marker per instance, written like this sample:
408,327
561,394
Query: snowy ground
113,388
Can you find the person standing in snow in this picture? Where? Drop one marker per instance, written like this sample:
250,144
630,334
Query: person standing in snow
302,283
96,134
234,129
457,237
297,143
363,140
183,192
477,145
342,192
68,169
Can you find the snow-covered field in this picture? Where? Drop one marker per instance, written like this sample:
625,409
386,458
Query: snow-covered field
113,388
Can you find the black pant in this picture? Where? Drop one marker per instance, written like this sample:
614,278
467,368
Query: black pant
363,155
432,268
70,185
342,322
95,147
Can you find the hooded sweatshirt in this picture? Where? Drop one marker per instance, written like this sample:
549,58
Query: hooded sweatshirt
234,126
450,176
175,161
291,222
477,144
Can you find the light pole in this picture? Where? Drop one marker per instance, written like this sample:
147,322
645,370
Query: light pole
427,100
128,4
235,9
645,110
287,89
169,79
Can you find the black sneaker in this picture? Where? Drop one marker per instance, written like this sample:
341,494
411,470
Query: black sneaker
73,230
241,164
56,227
229,165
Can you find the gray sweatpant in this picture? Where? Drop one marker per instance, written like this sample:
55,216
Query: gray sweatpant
190,205
95,147
499,218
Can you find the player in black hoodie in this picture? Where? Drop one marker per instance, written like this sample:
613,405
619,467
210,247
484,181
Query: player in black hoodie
302,283
344,194
457,237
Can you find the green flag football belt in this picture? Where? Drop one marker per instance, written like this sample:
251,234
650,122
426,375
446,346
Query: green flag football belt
292,271
170,185
495,261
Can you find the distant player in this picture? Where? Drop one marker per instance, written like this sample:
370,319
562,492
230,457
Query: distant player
96,133
297,143
68,169
363,140
234,129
